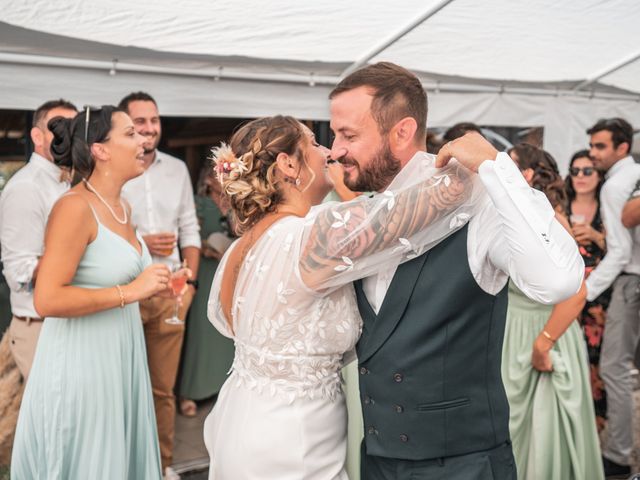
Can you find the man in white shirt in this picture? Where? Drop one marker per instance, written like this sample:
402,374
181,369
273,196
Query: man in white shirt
25,204
429,356
610,146
163,210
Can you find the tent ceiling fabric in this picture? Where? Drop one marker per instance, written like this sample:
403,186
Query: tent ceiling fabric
495,62
501,40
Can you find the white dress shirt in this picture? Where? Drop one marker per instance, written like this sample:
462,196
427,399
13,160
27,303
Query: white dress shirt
514,235
623,244
162,201
25,204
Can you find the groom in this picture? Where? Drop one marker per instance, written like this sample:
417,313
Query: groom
429,356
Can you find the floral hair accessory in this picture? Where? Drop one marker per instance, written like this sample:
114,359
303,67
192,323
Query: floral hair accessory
226,163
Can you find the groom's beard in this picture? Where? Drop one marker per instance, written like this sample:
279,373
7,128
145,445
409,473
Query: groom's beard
376,176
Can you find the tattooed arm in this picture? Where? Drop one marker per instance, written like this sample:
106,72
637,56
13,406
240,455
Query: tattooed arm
355,239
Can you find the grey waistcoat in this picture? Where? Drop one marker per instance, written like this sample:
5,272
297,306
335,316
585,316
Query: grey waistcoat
429,362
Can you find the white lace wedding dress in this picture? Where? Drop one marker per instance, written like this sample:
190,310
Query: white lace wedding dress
281,414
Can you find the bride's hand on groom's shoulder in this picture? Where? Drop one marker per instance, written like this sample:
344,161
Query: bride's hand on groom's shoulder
471,150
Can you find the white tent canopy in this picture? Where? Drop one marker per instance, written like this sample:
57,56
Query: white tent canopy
560,65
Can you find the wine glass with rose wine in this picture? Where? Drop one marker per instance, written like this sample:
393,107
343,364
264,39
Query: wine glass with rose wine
177,283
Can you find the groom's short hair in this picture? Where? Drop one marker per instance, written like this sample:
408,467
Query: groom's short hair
397,94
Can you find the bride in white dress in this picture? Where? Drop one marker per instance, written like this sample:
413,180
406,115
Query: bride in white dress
283,293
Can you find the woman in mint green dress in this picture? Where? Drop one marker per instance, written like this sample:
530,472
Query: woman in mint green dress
87,411
206,355
545,368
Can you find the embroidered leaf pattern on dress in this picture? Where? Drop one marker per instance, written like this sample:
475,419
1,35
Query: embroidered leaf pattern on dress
283,293
389,199
459,220
341,220
292,331
348,265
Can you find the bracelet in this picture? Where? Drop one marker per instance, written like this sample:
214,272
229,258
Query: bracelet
547,336
120,292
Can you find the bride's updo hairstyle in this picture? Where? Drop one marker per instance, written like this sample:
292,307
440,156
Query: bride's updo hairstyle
246,168
72,139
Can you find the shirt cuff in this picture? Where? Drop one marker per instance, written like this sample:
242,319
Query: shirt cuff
20,279
190,241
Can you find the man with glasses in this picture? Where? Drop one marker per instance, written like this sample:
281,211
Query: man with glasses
610,145
25,204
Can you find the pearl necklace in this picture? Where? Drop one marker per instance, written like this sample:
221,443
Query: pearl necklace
113,214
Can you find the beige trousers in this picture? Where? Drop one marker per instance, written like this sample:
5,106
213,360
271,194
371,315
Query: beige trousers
164,343
23,338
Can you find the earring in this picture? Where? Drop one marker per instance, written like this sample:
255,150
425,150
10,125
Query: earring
293,181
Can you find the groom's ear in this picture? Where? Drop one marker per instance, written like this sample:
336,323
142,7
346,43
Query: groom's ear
402,134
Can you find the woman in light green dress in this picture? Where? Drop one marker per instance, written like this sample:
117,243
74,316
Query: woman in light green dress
87,411
545,368
206,355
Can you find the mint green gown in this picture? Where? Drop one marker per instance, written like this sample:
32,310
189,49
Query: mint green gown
552,421
87,411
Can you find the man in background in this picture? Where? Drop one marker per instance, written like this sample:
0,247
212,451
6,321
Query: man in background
163,210
25,204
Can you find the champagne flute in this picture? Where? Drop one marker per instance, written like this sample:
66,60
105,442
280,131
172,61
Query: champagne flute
577,219
177,283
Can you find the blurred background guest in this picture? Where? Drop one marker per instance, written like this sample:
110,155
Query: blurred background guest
458,130
165,214
583,186
25,204
544,364
611,140
206,355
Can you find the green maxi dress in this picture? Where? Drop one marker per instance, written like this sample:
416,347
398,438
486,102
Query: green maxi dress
552,421
206,355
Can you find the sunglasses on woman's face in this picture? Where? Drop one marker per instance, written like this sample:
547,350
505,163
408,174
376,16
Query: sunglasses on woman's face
586,171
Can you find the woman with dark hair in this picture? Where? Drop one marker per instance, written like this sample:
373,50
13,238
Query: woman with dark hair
583,186
87,411
544,364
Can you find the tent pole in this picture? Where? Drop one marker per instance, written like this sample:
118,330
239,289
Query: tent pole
608,71
394,37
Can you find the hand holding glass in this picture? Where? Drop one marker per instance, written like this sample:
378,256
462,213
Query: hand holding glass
179,276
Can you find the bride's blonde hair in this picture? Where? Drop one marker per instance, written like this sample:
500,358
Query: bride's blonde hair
246,168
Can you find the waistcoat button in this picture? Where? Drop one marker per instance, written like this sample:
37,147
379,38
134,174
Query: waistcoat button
404,438
398,377
398,408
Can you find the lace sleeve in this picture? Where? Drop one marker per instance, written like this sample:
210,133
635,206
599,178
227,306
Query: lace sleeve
351,240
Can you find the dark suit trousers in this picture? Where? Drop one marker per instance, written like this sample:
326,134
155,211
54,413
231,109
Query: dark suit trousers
495,464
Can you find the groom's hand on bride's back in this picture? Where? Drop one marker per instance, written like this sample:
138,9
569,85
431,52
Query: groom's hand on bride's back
470,150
